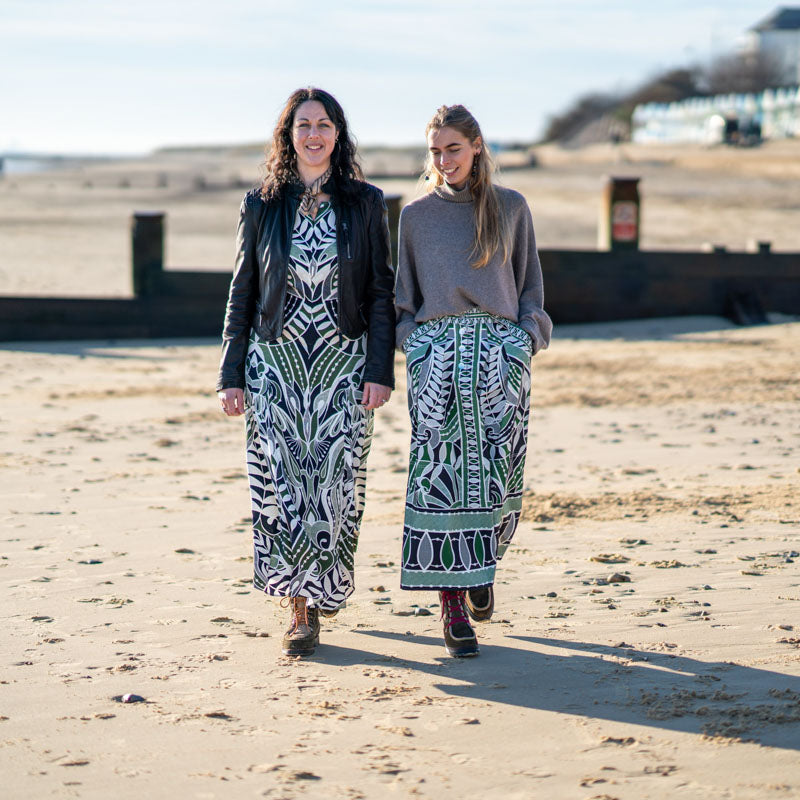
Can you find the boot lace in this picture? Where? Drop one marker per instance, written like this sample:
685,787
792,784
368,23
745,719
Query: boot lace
299,610
453,607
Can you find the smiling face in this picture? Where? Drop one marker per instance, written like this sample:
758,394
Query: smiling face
313,138
452,154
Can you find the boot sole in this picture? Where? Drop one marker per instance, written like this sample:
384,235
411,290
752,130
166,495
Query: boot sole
307,650
463,652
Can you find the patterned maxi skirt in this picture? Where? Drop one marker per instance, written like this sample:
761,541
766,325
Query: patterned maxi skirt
468,397
308,436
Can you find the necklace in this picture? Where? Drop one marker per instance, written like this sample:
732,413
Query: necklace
309,200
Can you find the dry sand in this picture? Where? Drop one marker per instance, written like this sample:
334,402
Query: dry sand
68,232
663,451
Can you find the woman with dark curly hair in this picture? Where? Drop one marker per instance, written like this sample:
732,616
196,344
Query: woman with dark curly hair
307,355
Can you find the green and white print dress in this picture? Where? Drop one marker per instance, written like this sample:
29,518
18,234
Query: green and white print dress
469,385
308,436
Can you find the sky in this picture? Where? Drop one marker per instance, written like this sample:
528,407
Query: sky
98,76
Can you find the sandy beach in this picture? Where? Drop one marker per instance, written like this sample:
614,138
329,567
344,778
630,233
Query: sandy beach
67,232
645,644
646,640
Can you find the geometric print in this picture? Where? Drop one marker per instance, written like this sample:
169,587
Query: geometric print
468,397
308,436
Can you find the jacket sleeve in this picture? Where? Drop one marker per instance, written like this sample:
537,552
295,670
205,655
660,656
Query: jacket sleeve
379,367
408,297
241,302
528,274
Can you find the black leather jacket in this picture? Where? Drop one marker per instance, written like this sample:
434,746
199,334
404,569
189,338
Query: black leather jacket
365,286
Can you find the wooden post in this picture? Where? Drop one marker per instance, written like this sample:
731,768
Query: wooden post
619,215
147,243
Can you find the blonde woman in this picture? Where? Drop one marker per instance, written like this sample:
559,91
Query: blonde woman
470,315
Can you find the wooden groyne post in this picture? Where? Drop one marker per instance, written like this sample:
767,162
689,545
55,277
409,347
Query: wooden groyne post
147,251
582,286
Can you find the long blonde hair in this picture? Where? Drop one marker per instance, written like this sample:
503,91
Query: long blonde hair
491,228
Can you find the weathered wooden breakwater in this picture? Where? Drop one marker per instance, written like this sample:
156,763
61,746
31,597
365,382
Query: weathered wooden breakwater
581,286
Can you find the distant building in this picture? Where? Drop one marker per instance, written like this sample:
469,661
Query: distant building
778,36
731,118
736,118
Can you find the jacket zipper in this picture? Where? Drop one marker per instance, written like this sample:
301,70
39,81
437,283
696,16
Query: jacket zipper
347,241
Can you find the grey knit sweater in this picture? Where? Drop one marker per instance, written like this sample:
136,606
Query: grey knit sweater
435,277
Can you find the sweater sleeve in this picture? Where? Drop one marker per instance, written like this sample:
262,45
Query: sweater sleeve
528,274
408,297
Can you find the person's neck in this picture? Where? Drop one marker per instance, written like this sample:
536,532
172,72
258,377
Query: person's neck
309,174
457,187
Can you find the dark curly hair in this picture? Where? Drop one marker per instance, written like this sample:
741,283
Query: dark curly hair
281,161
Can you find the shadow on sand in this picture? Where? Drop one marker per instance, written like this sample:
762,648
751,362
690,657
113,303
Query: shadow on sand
620,683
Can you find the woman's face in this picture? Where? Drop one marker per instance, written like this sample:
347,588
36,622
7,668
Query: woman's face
452,154
313,136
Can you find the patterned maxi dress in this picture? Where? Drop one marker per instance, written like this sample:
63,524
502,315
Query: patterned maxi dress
468,396
308,436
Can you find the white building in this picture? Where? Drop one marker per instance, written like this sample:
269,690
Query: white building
706,120
778,37
703,120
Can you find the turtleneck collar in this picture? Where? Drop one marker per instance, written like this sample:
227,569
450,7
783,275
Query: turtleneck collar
452,195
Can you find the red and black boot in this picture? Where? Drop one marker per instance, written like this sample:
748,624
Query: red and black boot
459,638
480,603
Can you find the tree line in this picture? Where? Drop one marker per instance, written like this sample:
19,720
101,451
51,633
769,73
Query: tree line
731,73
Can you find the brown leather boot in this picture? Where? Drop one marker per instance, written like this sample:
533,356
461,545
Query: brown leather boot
303,634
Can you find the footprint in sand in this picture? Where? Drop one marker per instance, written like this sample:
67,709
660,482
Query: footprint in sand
610,558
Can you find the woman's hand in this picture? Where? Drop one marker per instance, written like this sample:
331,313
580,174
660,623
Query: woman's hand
375,395
232,401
